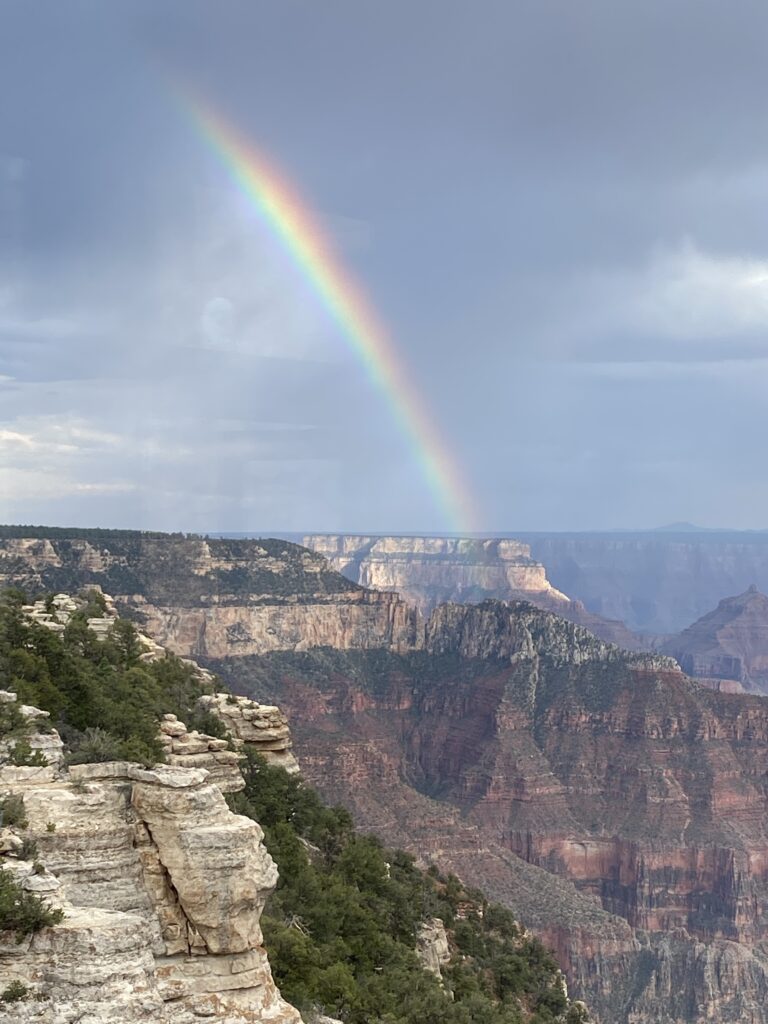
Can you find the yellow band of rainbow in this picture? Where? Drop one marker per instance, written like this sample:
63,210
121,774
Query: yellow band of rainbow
293,224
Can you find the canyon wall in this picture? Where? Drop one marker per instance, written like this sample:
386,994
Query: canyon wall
215,598
617,807
728,644
429,571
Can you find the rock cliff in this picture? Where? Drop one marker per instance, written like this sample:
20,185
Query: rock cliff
215,598
619,808
162,888
429,571
261,728
730,643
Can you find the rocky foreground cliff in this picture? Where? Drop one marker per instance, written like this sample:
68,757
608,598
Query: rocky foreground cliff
160,884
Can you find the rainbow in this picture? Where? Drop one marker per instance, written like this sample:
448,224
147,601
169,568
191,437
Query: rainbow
293,225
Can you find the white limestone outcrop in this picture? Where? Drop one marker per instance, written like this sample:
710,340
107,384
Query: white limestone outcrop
427,571
162,888
184,749
432,946
261,727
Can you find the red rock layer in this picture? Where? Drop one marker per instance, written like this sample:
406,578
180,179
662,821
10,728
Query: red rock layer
513,737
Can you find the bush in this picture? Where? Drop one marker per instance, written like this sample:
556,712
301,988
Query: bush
23,756
95,745
14,993
22,912
12,812
105,702
28,850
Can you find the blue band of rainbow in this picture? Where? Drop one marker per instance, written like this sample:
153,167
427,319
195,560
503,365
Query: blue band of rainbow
292,223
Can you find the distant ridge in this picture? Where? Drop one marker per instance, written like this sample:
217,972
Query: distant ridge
730,642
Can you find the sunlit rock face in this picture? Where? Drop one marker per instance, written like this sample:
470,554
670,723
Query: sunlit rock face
162,888
428,571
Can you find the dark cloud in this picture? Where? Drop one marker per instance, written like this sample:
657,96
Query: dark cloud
556,207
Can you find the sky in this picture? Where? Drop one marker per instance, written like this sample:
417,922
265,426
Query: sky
556,209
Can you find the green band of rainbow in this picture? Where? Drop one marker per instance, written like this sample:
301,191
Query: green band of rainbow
292,223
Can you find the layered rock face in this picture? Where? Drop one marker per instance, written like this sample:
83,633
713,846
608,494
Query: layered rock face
215,598
619,808
207,598
429,571
728,644
162,888
616,806
258,727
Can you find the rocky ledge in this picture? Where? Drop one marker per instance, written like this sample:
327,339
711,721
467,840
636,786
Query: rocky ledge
162,889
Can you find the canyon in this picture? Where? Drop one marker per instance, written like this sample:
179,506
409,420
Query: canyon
658,581
632,588
618,807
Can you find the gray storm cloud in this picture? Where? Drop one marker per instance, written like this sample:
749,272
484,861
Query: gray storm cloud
556,208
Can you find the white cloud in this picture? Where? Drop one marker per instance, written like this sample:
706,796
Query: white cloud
18,484
48,436
679,302
687,293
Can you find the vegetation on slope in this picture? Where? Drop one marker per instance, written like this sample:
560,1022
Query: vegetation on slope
166,568
23,913
341,929
103,699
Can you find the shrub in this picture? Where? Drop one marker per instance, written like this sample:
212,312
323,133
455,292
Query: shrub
96,605
14,993
87,684
95,745
28,850
23,756
22,912
12,812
